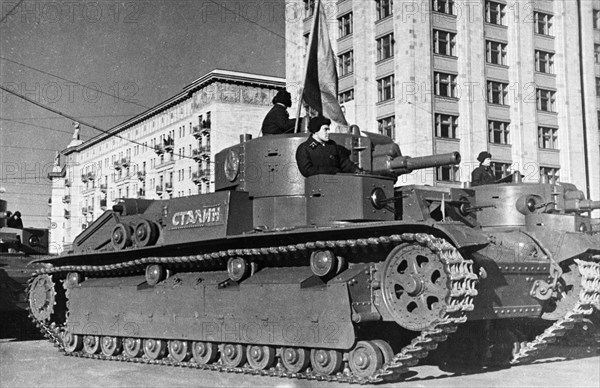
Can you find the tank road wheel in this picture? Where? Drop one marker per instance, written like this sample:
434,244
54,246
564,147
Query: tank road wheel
72,342
205,352
179,350
111,346
155,349
91,344
233,355
132,347
294,359
386,350
415,286
42,298
260,357
365,359
326,362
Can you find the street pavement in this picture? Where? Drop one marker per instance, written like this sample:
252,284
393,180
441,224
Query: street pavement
39,364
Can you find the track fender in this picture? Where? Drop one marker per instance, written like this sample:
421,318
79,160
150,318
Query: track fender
566,245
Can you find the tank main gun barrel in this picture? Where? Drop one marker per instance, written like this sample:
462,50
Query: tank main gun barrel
405,164
581,205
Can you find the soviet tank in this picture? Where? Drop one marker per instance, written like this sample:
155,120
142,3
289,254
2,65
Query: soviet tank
333,277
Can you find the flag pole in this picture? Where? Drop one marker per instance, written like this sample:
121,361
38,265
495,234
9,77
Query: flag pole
307,55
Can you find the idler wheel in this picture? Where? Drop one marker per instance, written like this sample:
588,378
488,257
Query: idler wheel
72,342
179,350
260,357
91,344
42,298
294,359
415,286
205,352
121,236
111,346
326,361
233,355
155,349
132,347
145,233
365,359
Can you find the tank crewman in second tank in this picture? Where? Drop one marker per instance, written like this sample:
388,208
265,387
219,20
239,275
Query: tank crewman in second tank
15,221
483,175
319,155
277,121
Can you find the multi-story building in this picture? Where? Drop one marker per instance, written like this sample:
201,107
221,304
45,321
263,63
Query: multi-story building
513,78
165,152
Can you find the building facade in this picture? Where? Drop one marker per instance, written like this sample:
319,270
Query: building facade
167,151
514,78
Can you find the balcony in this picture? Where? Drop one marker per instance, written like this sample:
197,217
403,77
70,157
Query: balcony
84,178
197,131
165,163
103,187
117,165
125,162
66,199
103,204
169,144
90,209
84,210
206,126
67,214
91,175
159,149
141,175
159,190
169,187
67,182
202,175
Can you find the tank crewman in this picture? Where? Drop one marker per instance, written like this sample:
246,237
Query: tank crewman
483,175
319,155
277,121
15,221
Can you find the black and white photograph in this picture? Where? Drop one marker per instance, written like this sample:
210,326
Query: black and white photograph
299,193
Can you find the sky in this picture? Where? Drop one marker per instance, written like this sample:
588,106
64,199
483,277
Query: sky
106,61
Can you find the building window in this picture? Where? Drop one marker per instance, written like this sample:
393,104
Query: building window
445,84
443,6
498,132
497,93
597,86
544,62
596,14
542,23
309,8
387,126
385,47
501,170
551,173
546,100
548,138
385,88
448,174
446,126
383,8
444,43
346,63
597,53
495,52
345,25
346,96
495,13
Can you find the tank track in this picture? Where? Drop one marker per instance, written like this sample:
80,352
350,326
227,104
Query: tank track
462,292
589,297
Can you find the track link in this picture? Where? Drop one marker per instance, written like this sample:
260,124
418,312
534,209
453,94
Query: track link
462,291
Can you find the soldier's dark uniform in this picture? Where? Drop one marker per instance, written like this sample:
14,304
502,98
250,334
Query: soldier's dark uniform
483,175
278,121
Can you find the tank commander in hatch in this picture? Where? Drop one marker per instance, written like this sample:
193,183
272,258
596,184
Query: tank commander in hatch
278,121
483,175
319,155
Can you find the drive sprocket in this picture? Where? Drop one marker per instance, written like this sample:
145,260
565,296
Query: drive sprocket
42,297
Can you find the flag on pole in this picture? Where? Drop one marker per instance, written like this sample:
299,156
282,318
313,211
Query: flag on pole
321,79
